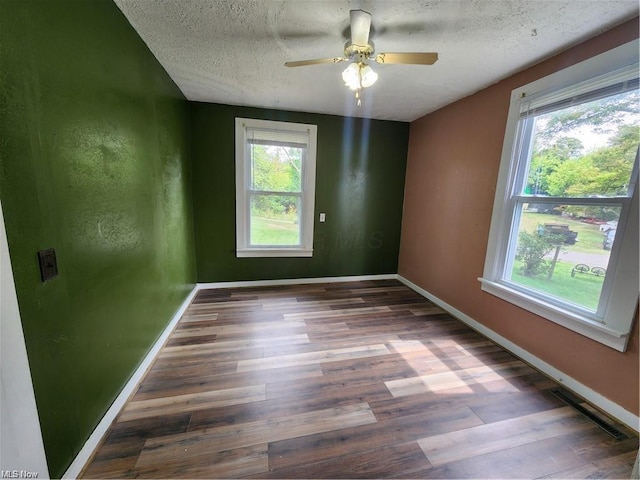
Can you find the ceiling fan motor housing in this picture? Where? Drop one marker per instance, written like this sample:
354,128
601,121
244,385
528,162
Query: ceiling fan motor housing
358,52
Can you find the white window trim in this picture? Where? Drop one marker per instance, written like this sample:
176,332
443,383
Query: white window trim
243,249
614,328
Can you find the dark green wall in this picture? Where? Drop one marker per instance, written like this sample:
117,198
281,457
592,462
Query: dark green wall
359,185
93,162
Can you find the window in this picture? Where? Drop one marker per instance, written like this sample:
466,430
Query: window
564,231
275,188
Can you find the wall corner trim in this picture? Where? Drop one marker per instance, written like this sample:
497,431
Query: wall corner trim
608,406
92,443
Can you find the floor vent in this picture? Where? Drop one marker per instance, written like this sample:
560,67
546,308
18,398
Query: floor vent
567,398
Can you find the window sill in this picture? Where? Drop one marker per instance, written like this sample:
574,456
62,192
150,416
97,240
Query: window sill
573,321
273,252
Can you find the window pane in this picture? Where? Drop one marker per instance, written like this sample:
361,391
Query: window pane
275,220
585,150
276,168
563,251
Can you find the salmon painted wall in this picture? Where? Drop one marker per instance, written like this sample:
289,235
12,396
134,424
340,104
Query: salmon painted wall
453,161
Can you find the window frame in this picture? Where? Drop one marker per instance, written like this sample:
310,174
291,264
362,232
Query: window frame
612,323
243,190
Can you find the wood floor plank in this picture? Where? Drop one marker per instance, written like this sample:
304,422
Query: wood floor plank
381,289
306,305
436,363
281,406
531,460
166,387
222,356
619,466
140,429
399,406
194,319
402,460
281,291
438,382
356,331
504,406
312,357
425,310
170,368
208,441
333,314
493,437
601,446
329,390
191,401
114,460
233,345
330,444
232,463
326,327
346,342
245,317
235,304
197,340
246,330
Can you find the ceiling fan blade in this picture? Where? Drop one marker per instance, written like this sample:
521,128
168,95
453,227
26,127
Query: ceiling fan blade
360,27
415,58
315,61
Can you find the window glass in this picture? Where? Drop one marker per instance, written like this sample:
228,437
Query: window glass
585,150
275,220
564,251
276,168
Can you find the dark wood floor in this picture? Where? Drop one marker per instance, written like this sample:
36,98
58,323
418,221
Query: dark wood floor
346,380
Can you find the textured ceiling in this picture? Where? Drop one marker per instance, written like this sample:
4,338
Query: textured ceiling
232,52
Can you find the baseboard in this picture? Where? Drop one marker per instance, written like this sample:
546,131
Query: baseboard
296,281
611,408
98,433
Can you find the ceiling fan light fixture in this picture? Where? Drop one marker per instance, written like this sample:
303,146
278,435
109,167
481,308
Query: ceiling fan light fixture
359,75
368,76
351,76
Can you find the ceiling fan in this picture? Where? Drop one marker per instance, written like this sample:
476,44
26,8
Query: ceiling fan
359,50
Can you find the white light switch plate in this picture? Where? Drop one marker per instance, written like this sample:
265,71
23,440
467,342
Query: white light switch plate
322,217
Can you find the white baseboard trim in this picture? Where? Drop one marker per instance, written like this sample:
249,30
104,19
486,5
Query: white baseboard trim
611,408
296,281
98,433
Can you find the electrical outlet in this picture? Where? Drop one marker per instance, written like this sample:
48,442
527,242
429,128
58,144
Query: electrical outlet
48,264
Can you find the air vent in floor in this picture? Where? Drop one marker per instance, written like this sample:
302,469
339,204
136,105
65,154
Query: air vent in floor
567,398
